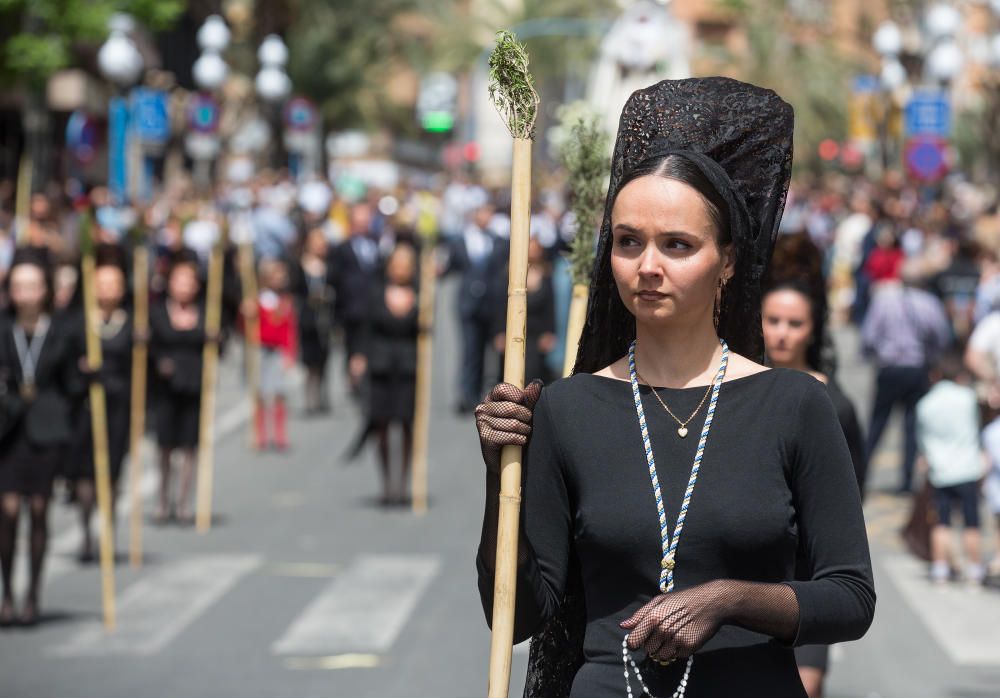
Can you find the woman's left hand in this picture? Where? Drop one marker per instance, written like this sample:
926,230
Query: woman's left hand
676,625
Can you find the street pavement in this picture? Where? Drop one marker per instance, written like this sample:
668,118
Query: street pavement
305,587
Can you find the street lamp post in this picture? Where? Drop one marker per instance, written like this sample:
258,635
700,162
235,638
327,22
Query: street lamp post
210,72
121,64
273,87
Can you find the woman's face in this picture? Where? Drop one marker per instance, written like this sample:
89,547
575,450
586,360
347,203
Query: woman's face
788,327
401,266
27,287
109,286
665,257
183,285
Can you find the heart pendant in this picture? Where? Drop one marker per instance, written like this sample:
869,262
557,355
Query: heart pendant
682,432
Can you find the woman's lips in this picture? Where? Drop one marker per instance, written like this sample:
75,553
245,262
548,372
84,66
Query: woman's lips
651,295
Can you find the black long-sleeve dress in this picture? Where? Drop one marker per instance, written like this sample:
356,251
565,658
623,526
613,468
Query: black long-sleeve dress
390,344
116,377
314,296
776,478
32,450
177,393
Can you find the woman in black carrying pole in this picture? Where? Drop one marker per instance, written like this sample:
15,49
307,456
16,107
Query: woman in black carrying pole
671,481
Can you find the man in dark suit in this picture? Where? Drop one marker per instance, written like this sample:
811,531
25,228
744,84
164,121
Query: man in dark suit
355,263
480,256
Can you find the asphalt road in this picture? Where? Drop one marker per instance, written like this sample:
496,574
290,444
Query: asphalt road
306,588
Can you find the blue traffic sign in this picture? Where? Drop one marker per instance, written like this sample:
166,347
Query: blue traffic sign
928,113
81,137
150,116
300,114
203,113
926,158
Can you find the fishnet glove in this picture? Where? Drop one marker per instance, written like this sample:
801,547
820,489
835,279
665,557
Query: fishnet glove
676,625
504,418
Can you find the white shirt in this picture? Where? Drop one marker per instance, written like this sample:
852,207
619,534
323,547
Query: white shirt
948,434
986,338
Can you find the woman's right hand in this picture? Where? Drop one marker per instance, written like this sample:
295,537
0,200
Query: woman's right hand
504,418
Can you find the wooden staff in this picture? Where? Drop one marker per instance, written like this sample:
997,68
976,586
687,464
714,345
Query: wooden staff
210,367
137,421
23,198
512,91
425,355
99,429
251,332
584,154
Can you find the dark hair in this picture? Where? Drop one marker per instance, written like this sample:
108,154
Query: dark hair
610,327
797,265
950,367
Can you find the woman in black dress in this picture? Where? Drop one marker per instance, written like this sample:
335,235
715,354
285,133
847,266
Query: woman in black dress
794,318
651,546
389,356
38,378
115,375
177,327
313,286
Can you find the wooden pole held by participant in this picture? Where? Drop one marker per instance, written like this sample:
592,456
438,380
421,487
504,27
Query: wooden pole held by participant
251,332
137,421
210,367
99,427
505,582
425,356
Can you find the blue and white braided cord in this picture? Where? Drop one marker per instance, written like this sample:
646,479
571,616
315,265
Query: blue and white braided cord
669,542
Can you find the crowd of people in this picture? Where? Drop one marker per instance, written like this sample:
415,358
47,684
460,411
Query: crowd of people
917,273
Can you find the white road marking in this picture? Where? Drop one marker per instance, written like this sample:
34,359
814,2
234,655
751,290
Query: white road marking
362,610
158,608
963,621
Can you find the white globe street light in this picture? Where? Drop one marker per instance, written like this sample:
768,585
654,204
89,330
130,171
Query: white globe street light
893,74
272,52
888,40
213,36
945,61
210,71
943,21
119,60
273,85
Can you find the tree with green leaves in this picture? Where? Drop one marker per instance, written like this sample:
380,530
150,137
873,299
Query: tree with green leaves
41,37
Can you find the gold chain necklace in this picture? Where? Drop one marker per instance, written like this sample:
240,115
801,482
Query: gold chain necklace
682,429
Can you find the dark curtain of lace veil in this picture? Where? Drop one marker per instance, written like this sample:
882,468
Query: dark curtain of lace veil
745,132
740,137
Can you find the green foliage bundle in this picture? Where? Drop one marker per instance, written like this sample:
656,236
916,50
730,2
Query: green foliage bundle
583,151
511,87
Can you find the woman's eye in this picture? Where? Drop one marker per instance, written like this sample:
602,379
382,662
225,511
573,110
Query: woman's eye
677,244
627,242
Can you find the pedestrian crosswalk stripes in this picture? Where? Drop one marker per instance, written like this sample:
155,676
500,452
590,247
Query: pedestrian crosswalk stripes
156,609
363,609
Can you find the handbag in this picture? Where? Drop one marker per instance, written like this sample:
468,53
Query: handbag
917,531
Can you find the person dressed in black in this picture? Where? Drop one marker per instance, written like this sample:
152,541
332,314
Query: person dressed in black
794,319
388,355
540,323
313,286
39,378
355,270
480,256
738,466
177,327
115,374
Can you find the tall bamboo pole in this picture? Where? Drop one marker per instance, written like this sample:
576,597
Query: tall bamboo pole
574,325
210,366
512,91
22,201
251,332
99,427
425,356
137,421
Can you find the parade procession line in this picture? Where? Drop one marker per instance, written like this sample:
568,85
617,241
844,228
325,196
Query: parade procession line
362,610
159,607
